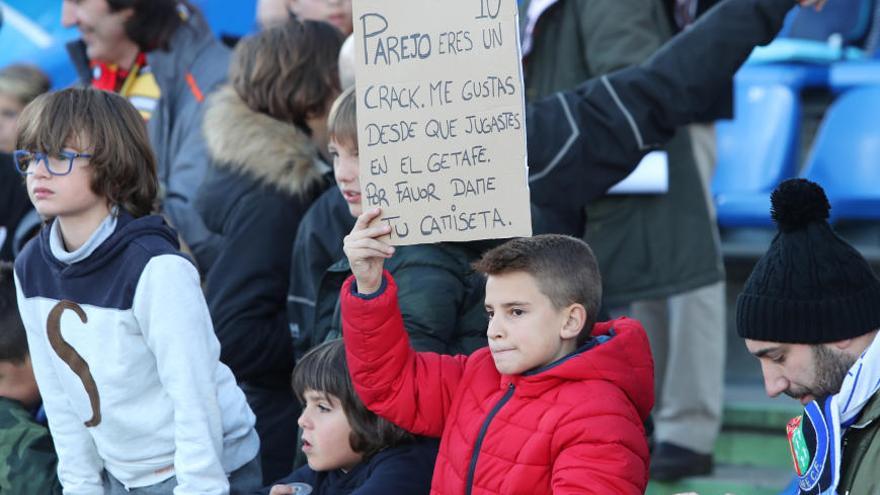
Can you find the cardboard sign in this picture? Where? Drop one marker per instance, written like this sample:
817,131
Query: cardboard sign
441,119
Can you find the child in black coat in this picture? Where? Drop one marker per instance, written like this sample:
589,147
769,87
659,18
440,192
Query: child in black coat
349,449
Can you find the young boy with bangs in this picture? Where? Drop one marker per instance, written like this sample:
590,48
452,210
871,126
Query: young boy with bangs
555,404
119,333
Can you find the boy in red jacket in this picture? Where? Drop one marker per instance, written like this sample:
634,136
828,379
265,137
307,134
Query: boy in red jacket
555,404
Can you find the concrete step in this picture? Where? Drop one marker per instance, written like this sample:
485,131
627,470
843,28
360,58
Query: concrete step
729,479
751,454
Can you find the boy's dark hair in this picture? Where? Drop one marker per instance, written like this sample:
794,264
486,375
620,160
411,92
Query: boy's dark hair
342,120
289,72
153,22
13,340
564,268
104,125
325,370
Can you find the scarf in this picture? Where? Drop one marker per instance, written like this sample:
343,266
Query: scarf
815,437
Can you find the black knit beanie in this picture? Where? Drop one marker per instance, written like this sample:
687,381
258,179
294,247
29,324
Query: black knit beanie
810,287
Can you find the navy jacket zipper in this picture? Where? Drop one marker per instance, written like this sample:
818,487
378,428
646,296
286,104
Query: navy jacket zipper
479,443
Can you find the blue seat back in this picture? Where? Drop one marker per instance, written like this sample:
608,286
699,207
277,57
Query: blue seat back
845,158
758,148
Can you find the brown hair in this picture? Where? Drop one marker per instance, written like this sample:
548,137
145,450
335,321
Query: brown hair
564,268
23,82
288,72
325,370
342,121
153,22
122,162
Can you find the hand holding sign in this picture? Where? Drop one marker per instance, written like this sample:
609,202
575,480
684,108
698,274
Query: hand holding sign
366,253
441,123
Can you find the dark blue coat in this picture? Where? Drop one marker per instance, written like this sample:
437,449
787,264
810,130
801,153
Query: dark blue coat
406,469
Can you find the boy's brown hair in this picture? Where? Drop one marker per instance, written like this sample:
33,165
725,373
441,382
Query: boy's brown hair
13,340
342,121
288,72
104,125
564,268
325,370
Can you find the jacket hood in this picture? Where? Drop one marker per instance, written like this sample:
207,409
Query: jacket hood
271,151
619,353
128,230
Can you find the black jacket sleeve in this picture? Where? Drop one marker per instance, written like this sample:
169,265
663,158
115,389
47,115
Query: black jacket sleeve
582,142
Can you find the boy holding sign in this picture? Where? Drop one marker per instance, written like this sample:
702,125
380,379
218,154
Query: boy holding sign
555,404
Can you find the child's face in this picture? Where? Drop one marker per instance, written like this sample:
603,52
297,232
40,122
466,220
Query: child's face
326,433
65,196
525,330
346,169
336,12
102,31
9,109
17,382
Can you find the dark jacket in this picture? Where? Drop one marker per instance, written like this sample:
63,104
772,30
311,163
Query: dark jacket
861,453
575,40
14,203
264,176
402,470
440,297
27,455
614,120
193,67
318,245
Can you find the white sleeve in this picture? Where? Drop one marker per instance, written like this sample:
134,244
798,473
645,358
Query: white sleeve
172,313
79,465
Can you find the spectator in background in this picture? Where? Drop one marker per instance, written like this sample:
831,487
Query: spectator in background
271,13
336,12
19,85
27,456
14,206
161,56
662,249
266,134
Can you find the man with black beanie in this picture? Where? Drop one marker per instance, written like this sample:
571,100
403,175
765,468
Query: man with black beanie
810,312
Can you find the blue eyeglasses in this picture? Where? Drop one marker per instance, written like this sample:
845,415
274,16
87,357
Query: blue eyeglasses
60,163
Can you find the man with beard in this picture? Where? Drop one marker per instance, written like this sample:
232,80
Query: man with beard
809,312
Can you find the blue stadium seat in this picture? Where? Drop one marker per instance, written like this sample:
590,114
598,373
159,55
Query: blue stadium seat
758,149
845,158
848,75
806,34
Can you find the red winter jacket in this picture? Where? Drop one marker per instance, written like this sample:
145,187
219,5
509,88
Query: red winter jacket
575,426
